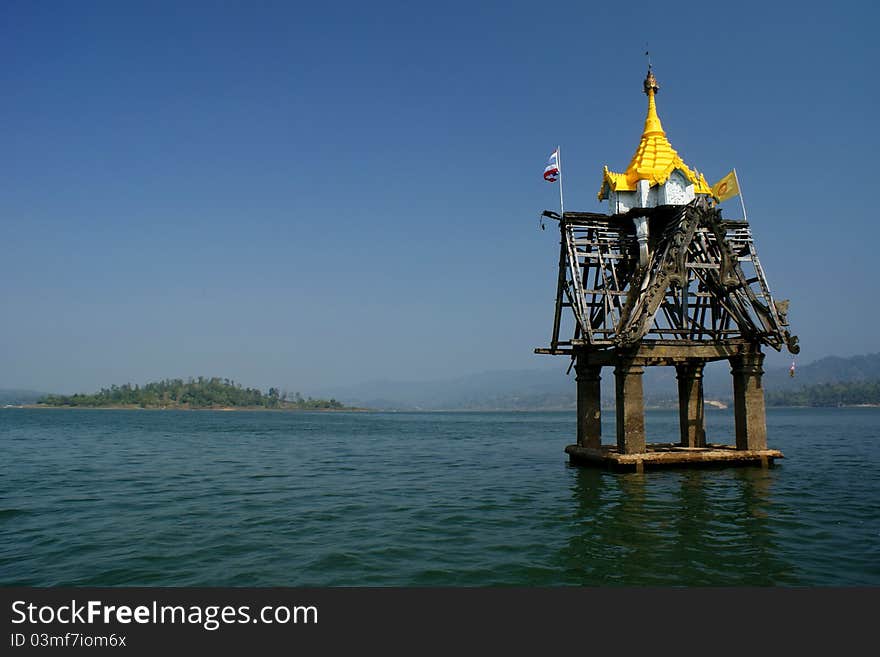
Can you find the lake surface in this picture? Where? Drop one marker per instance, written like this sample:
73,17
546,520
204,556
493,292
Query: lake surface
176,498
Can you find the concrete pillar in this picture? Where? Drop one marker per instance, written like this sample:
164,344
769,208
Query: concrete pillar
589,409
690,404
630,406
748,400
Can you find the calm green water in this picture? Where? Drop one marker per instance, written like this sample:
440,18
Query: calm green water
457,499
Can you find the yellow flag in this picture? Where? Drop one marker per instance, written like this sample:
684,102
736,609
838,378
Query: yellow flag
727,187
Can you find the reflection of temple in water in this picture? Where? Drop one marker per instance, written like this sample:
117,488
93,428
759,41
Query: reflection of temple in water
688,528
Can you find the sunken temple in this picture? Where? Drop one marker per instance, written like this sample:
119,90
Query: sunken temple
663,280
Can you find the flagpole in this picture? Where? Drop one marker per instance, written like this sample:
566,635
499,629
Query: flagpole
559,164
741,200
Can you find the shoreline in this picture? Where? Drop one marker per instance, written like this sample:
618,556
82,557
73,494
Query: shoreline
224,409
262,409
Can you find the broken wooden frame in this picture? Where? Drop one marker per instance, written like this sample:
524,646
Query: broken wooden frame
704,282
702,296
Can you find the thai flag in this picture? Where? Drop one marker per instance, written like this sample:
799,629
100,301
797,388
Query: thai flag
551,171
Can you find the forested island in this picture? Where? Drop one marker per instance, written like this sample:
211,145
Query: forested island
851,393
200,393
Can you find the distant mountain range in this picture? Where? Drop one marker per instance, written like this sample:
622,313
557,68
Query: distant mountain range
551,389
19,397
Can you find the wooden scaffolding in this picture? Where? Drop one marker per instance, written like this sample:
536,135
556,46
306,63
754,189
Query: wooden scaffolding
701,296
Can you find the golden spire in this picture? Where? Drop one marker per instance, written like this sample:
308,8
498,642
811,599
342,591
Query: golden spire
652,121
655,159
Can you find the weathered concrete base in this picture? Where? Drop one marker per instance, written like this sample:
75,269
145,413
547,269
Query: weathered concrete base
671,455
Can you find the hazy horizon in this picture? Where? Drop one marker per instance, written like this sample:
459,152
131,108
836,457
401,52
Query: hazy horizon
307,197
559,364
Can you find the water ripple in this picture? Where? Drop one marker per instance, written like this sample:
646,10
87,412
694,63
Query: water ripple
107,498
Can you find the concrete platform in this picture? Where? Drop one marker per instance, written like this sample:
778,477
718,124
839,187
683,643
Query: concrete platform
671,455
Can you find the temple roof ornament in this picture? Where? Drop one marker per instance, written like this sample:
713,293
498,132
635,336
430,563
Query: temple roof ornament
655,158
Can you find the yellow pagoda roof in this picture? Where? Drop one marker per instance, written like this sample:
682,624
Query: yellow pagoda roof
655,158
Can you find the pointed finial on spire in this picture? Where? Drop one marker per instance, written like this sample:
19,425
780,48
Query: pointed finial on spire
652,121
650,85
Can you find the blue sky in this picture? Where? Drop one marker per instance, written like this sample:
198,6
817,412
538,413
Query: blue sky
306,196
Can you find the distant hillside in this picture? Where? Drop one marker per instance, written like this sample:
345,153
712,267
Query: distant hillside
19,397
551,389
527,389
834,369
852,393
495,390
537,389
